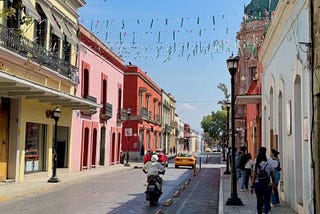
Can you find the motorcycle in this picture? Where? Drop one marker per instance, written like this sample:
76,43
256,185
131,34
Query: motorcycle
154,188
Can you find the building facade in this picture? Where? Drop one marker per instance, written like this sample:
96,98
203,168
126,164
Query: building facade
101,80
142,97
286,101
179,134
38,74
257,16
166,119
173,125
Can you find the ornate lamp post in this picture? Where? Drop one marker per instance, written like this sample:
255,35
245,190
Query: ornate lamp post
227,172
128,133
55,114
232,64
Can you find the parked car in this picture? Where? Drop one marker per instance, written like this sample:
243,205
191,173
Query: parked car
185,159
163,158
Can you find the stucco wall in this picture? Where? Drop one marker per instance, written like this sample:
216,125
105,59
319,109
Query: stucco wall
284,61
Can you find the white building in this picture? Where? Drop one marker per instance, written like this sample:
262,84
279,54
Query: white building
286,104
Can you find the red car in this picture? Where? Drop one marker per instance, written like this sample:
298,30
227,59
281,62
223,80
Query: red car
163,158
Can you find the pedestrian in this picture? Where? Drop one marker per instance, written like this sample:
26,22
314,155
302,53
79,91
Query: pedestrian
248,168
272,162
260,183
275,193
242,163
238,156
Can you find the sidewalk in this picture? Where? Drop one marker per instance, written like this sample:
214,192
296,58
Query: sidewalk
248,199
11,191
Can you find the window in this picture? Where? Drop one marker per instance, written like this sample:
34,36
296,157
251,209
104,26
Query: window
119,101
66,51
140,100
147,102
41,28
35,147
14,20
154,110
55,44
85,83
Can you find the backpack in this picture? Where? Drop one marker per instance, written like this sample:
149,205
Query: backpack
263,176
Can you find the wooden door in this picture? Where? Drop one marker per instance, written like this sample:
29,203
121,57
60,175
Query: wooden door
3,145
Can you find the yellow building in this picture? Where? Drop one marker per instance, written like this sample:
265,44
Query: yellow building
38,73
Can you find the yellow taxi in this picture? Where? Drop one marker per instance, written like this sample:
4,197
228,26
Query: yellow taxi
185,159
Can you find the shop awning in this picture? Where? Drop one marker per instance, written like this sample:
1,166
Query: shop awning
248,99
48,13
15,87
67,31
31,10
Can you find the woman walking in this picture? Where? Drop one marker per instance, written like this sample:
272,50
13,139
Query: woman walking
262,171
275,194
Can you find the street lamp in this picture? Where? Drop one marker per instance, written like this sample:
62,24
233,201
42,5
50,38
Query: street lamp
232,64
128,133
227,172
55,114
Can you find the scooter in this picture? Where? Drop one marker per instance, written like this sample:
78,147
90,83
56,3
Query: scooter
154,189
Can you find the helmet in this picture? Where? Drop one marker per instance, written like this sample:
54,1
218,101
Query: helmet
154,158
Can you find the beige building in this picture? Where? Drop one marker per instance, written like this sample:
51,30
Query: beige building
38,74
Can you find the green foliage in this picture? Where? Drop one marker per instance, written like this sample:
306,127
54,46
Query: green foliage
8,12
215,124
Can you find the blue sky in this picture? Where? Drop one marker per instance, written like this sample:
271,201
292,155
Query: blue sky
181,44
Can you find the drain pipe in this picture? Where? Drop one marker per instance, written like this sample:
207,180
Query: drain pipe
311,60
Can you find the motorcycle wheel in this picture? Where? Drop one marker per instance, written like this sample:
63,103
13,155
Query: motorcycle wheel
153,202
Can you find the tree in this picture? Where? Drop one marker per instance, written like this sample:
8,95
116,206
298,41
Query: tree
215,125
225,91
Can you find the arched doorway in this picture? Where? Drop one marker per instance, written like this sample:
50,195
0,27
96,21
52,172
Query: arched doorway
113,145
94,148
85,149
102,146
118,147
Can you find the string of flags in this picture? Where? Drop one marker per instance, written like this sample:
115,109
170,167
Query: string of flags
167,38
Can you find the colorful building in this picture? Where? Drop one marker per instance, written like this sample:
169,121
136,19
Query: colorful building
142,99
97,134
257,17
38,74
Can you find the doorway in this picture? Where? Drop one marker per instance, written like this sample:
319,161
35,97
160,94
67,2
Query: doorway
3,144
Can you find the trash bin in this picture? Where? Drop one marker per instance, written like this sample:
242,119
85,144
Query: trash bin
122,155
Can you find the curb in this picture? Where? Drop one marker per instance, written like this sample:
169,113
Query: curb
221,202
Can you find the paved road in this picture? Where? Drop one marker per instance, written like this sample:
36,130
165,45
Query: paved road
202,194
121,192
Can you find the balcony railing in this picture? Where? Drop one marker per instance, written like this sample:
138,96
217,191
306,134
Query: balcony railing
106,111
144,113
15,42
122,115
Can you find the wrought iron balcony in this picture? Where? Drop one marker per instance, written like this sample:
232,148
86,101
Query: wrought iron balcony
106,111
144,113
12,40
122,115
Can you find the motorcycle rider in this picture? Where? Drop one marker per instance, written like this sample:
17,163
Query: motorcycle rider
154,168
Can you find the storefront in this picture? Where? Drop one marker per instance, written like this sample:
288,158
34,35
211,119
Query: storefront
29,135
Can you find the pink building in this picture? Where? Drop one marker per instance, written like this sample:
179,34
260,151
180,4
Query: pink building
96,133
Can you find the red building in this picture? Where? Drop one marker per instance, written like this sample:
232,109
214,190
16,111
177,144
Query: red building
142,100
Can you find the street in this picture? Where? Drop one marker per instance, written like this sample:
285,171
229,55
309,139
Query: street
123,192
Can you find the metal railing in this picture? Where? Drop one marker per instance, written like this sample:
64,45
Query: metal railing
106,111
12,40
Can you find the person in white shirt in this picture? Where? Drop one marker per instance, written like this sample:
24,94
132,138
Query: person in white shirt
153,167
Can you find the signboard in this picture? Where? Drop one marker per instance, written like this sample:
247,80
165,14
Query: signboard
128,132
